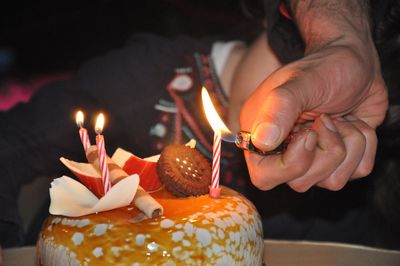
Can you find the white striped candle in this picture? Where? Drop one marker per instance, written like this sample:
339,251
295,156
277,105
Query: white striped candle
101,149
79,118
214,188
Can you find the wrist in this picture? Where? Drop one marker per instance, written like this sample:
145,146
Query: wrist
330,22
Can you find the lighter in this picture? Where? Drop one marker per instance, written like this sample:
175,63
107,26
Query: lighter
243,141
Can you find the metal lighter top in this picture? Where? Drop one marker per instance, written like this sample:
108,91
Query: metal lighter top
243,141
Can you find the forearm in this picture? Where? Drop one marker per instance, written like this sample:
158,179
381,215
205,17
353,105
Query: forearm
323,22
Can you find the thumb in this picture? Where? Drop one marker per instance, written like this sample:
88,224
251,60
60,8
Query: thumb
277,113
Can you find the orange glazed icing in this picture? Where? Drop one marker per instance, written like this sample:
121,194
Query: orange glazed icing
192,231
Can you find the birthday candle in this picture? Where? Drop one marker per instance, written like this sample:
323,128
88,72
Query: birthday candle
101,148
218,127
79,118
216,160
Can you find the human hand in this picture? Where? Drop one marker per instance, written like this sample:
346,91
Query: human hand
338,79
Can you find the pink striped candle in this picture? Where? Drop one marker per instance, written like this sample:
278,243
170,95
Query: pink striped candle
101,149
218,127
215,190
79,118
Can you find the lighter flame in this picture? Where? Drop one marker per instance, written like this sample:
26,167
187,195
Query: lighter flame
79,118
212,115
99,123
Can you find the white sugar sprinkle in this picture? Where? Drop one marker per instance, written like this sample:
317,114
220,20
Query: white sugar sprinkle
166,223
140,239
152,247
77,238
100,229
83,223
203,236
186,243
98,252
177,236
189,229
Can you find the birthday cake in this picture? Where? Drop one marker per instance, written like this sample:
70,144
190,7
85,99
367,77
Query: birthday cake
157,212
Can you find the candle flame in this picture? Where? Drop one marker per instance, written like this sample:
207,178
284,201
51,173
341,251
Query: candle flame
79,118
99,123
212,115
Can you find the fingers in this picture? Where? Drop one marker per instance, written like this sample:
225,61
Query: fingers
344,149
329,154
366,165
354,142
361,144
266,172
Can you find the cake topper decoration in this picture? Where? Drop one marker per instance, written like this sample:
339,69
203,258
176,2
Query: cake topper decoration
184,171
145,168
90,175
99,176
70,198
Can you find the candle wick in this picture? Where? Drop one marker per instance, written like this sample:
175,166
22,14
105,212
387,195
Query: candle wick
79,124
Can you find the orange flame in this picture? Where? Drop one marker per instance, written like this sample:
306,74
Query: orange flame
99,123
79,118
212,115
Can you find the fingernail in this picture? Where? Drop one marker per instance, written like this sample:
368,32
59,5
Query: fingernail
266,134
326,120
341,119
311,141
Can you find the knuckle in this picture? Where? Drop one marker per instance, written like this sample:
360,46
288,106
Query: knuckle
370,134
299,186
335,182
338,152
364,169
259,180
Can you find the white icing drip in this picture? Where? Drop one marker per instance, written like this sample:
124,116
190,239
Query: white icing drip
140,239
77,238
152,247
83,223
189,229
98,252
56,220
177,236
209,252
216,248
100,229
221,233
166,223
203,236
186,243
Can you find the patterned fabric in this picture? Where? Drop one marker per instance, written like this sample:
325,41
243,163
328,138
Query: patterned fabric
181,117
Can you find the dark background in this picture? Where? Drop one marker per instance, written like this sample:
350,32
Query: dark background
52,36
